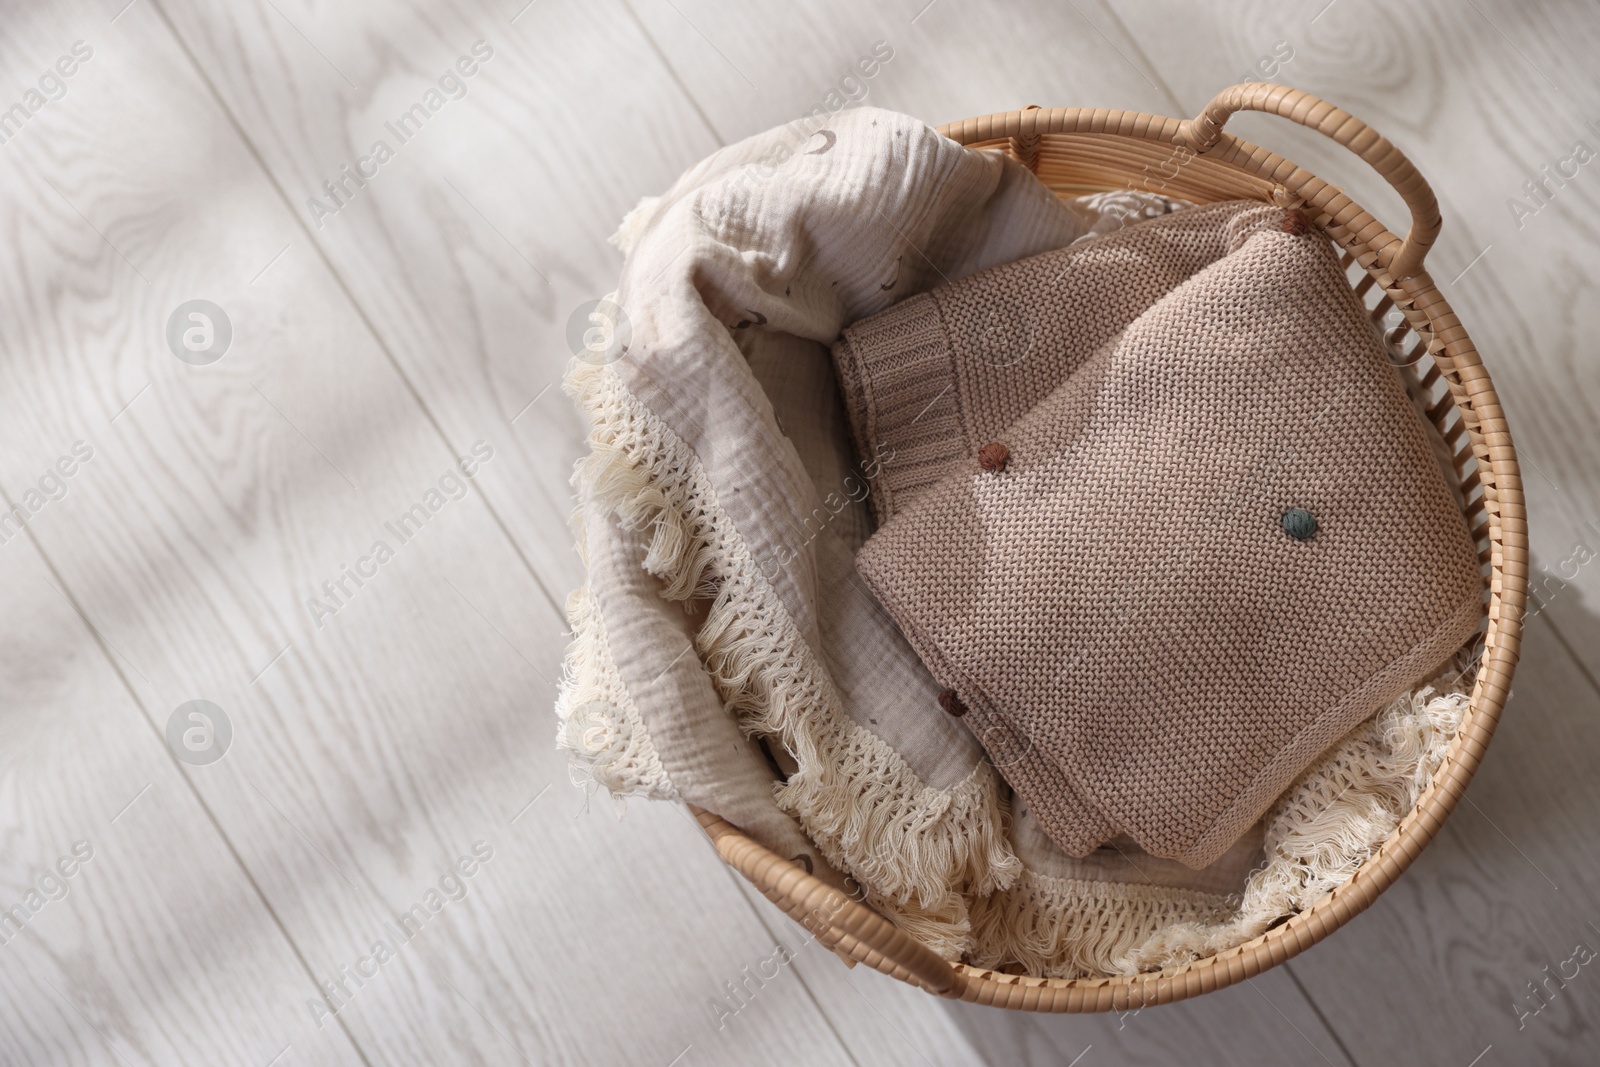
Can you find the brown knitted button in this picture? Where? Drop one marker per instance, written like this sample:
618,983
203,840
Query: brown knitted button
1295,222
992,456
952,703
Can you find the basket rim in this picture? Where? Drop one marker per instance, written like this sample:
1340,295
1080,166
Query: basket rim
857,932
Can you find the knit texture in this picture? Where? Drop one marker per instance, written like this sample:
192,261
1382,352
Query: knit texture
1142,648
939,375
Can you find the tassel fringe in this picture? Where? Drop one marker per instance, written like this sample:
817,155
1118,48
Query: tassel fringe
920,852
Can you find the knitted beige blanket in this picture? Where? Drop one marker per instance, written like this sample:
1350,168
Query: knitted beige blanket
1217,545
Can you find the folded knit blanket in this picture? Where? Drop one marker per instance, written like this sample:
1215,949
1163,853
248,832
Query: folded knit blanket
1218,545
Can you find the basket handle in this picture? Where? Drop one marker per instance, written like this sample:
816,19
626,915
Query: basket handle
1203,133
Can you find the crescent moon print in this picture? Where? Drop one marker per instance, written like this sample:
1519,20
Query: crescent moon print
829,139
890,284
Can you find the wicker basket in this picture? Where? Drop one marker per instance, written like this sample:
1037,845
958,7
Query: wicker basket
1076,151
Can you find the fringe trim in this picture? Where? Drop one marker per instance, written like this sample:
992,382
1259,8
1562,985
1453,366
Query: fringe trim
1318,833
913,847
600,724
1074,928
944,926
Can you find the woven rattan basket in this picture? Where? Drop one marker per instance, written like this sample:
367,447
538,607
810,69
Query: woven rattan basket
1076,151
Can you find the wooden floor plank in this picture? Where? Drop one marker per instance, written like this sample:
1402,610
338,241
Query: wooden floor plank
157,947
407,734
1265,1020
753,66
882,1021
469,251
130,932
1444,959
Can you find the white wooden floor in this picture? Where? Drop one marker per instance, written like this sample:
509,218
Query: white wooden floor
169,912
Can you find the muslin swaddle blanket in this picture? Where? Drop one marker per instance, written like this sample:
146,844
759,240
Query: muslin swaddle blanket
1216,547
721,599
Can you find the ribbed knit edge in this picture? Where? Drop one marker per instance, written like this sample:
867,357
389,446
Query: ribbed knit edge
896,368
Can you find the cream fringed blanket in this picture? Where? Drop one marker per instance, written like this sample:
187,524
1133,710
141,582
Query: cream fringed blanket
722,607
779,242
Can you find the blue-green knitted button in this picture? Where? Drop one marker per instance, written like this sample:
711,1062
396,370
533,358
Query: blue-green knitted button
1299,524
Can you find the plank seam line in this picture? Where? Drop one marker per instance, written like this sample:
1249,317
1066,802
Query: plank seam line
355,305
